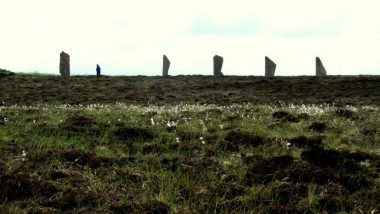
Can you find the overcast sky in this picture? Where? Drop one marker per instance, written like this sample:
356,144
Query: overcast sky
129,37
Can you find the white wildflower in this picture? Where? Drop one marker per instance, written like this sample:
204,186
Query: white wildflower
221,126
200,138
177,139
23,155
288,145
118,120
171,124
152,121
203,142
5,119
34,121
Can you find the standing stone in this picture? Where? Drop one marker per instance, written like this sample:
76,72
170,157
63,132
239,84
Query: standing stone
270,67
165,66
320,70
64,64
218,63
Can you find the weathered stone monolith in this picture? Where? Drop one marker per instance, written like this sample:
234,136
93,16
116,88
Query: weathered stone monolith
218,63
64,64
320,70
165,66
270,67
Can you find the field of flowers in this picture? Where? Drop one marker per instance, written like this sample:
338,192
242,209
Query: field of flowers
189,158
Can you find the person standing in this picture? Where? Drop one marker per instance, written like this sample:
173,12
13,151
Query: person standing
98,70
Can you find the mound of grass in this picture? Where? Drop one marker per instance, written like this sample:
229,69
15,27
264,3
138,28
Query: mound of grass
4,73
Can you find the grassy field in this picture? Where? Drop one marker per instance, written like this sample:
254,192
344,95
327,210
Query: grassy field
187,157
189,144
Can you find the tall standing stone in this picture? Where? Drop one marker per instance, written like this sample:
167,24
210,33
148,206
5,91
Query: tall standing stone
320,70
64,64
165,66
270,67
218,63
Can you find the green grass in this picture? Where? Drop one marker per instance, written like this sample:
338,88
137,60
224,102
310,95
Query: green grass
210,159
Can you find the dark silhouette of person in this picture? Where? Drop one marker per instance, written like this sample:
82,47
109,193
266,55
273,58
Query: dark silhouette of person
98,70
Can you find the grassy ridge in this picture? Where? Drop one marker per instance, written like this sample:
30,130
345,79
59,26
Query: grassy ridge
142,90
189,158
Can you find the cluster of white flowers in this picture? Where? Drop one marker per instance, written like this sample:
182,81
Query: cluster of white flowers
315,110
171,123
369,108
152,121
202,140
23,155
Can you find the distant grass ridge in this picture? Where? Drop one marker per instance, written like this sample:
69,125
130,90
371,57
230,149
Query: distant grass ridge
227,90
4,73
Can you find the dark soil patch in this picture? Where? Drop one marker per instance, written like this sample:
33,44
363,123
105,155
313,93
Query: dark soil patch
134,133
90,159
321,157
22,185
285,116
2,167
75,198
318,126
347,171
353,182
345,113
80,121
234,139
61,173
185,194
153,207
369,131
156,207
303,116
303,141
304,172
284,193
75,125
264,170
279,209
332,158
331,204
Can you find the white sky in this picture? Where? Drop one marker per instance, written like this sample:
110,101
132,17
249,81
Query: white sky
129,37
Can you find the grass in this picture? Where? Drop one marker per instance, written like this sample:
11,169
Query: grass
189,158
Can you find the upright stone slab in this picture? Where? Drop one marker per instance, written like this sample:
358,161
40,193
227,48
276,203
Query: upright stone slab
64,64
218,63
320,70
165,66
270,67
